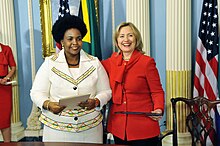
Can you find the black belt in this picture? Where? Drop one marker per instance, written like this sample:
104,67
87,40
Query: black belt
139,113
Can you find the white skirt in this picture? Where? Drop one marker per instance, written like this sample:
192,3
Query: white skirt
93,135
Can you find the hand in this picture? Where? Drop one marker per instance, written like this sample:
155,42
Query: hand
88,104
55,108
156,118
3,81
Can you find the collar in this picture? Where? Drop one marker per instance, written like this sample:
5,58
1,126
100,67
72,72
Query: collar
60,57
117,58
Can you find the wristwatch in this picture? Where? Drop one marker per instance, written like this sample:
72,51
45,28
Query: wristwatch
8,78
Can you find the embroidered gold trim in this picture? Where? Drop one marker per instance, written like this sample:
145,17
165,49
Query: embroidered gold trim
76,113
89,56
70,79
55,56
69,126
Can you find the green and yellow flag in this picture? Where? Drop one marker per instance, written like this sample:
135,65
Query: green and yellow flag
91,42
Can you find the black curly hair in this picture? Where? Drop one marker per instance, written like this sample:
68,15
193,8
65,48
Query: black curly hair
65,23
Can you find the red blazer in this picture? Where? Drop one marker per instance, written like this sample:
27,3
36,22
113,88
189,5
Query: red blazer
136,87
6,59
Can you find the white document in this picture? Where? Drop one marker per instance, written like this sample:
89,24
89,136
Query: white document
10,82
72,102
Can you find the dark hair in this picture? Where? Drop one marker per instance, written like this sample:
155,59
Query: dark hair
65,23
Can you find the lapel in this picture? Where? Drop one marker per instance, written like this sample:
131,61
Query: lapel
134,58
118,72
119,67
61,67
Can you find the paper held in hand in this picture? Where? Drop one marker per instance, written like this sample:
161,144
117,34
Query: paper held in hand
10,82
73,101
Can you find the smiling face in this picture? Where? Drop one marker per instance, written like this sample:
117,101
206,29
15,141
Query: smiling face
72,42
126,40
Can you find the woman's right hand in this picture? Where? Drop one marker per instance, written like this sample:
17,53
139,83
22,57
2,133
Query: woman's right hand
53,107
156,118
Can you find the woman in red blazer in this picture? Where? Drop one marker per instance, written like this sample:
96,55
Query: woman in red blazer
6,61
136,89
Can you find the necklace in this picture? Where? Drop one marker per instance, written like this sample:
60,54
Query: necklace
74,64
126,59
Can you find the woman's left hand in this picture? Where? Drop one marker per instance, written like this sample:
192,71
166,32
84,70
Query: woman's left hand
156,118
88,104
3,81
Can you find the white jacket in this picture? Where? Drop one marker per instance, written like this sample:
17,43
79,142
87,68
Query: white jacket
54,81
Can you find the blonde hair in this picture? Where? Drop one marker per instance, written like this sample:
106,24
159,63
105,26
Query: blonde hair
137,34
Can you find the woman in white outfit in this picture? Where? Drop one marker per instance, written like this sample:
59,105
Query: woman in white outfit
69,73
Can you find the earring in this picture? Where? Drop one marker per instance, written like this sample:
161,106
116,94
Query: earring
62,46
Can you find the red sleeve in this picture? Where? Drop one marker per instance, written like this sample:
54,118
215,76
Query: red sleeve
11,60
106,64
155,85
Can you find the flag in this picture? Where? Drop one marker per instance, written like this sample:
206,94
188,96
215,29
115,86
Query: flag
63,10
91,42
206,66
87,12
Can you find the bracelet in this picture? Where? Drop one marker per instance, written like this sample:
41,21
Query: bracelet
7,78
47,106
